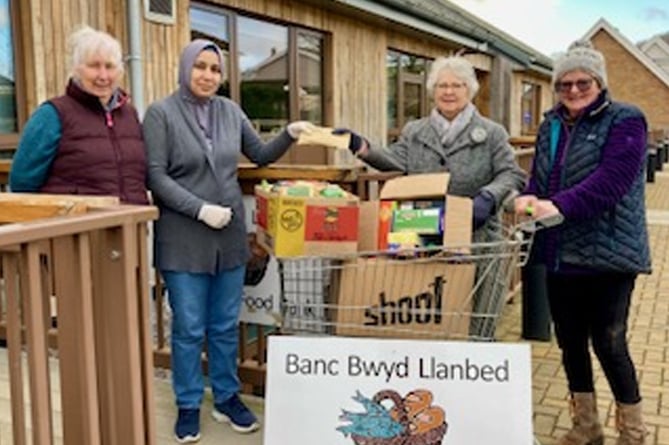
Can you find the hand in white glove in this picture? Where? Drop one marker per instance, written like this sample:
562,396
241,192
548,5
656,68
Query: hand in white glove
295,129
215,216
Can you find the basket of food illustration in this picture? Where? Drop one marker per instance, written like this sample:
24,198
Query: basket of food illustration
409,420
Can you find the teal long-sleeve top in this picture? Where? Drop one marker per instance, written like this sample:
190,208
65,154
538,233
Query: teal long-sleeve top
37,150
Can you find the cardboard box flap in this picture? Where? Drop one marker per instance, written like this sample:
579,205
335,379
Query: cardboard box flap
348,198
458,220
368,226
322,136
428,185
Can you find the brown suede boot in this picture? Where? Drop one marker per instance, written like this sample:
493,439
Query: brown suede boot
586,429
630,425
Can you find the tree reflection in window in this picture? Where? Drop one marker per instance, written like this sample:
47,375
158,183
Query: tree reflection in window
310,76
263,62
407,98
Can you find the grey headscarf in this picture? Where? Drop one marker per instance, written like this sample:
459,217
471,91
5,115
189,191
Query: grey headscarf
200,106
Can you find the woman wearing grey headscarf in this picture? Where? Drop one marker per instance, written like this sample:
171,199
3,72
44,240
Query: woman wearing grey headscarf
193,141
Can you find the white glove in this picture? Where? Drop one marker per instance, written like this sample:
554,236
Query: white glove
298,127
215,216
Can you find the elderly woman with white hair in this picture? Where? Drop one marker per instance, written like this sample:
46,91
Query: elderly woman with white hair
89,140
454,138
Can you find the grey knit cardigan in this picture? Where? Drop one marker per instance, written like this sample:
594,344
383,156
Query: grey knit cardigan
184,174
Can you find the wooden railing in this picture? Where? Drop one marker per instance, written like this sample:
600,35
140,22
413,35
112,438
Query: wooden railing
93,264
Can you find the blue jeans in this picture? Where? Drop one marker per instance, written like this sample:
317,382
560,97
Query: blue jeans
203,307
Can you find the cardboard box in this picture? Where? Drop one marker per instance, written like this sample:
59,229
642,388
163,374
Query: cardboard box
291,226
457,223
380,297
341,157
323,136
410,298
335,146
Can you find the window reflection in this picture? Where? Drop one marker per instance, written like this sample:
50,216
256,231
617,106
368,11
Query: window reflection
413,96
392,68
8,121
263,62
413,64
530,108
407,96
310,77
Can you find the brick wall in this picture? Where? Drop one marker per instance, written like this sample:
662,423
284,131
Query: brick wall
630,81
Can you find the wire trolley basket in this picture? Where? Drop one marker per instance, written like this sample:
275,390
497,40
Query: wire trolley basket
446,293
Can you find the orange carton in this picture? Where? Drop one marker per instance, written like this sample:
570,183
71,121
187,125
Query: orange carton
385,222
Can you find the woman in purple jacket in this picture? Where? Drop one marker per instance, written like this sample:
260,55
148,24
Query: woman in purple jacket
589,168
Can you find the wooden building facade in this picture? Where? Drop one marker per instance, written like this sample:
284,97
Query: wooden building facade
360,64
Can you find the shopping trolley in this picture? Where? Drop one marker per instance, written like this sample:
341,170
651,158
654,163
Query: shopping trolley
454,292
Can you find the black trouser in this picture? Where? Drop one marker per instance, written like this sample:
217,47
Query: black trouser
594,307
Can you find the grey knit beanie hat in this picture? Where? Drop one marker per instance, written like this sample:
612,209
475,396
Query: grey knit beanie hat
581,55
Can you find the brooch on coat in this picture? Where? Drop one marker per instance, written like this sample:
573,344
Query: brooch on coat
478,134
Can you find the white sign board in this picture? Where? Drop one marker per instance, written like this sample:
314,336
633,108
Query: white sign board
261,300
344,391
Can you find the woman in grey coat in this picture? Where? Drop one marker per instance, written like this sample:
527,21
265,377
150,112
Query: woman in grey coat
193,140
454,138
475,151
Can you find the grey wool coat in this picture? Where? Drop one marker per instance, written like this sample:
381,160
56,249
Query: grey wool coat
183,175
480,158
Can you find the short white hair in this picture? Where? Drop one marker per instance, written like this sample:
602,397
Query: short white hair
86,42
459,67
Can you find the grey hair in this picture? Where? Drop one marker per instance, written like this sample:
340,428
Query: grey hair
86,41
458,66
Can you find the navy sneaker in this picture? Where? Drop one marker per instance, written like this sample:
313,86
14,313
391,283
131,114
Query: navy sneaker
187,427
234,412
